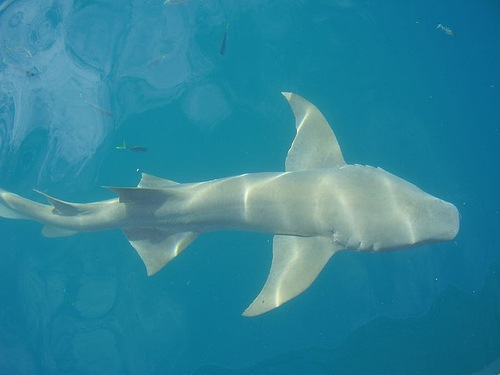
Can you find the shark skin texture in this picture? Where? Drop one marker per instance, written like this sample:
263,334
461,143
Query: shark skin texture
318,206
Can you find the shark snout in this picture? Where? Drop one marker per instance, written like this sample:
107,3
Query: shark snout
454,220
444,221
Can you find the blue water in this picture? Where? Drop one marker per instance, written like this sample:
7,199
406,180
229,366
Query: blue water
78,78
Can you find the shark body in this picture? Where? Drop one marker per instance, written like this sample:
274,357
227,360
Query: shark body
318,206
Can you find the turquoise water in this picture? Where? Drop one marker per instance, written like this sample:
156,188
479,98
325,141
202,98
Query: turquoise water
79,78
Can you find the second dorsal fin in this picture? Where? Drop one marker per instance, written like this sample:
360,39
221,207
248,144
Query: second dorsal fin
62,207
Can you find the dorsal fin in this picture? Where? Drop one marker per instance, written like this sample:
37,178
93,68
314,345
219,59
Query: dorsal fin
315,145
150,181
141,195
62,207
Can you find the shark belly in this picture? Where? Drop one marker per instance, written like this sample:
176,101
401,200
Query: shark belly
356,207
288,203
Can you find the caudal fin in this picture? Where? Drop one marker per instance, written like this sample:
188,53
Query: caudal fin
6,210
13,206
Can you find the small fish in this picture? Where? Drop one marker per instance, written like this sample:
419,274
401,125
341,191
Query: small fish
21,56
174,2
222,49
446,30
31,72
98,109
156,61
124,146
137,148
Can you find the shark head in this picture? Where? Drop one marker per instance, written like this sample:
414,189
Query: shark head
429,219
391,212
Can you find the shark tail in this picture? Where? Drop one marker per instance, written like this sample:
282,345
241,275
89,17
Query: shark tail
13,206
155,246
6,209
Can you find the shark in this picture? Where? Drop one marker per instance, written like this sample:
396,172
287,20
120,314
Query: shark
317,207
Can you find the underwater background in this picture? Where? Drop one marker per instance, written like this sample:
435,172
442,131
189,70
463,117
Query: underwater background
197,83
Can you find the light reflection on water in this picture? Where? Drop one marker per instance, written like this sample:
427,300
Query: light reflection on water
71,74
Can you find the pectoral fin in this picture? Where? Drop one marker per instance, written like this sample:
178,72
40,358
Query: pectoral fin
50,231
297,261
157,247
